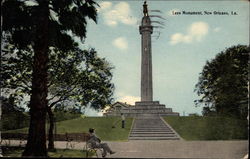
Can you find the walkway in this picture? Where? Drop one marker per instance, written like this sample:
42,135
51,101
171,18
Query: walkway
171,149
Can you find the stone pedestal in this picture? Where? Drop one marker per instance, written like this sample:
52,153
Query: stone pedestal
150,108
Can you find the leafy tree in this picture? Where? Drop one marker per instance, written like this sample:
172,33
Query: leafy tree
82,79
223,83
40,25
79,77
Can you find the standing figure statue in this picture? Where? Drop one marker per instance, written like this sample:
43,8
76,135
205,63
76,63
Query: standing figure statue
145,8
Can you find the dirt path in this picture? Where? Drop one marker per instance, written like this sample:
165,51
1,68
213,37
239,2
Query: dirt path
169,149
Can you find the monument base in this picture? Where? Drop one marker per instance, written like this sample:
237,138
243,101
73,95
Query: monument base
144,108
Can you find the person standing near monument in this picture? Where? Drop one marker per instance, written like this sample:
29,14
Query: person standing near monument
123,120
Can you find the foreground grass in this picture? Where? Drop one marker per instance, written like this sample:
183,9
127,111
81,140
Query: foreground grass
17,152
102,126
209,128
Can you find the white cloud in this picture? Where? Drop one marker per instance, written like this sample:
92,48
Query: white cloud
120,43
178,38
91,112
119,13
104,6
124,97
217,29
100,114
129,99
196,31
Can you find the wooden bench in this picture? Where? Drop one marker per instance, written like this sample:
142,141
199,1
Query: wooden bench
13,136
79,137
89,149
68,137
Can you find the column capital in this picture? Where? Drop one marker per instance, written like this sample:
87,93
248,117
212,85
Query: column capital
148,28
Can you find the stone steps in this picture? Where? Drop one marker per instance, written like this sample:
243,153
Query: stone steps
154,138
151,127
147,103
148,129
153,135
161,132
151,107
148,108
160,109
144,109
143,130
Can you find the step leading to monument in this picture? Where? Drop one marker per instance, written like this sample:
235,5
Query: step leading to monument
152,127
144,103
154,138
148,107
142,108
148,111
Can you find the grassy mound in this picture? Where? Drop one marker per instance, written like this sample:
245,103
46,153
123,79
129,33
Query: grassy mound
102,125
16,119
209,128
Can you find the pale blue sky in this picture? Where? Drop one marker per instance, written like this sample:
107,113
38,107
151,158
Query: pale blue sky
186,42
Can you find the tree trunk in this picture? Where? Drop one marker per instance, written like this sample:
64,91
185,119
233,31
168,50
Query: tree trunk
36,144
51,128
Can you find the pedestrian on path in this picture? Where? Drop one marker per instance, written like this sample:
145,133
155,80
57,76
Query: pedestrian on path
96,143
123,120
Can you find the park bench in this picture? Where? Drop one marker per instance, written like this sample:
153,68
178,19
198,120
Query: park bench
81,137
68,137
89,148
75,137
13,136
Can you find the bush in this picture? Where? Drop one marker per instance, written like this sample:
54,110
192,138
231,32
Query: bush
65,115
14,120
222,128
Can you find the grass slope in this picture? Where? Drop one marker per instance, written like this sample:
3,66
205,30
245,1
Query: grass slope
208,128
102,125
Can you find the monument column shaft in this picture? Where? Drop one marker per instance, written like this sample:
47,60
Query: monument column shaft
146,64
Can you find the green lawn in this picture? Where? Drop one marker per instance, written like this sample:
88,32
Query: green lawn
17,152
102,125
208,128
189,128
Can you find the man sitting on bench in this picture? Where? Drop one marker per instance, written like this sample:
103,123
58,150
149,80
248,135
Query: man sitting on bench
96,143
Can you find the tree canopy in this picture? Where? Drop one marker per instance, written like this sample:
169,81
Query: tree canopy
40,25
223,83
79,77
21,21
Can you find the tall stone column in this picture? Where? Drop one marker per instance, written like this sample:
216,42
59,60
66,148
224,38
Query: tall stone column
146,30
